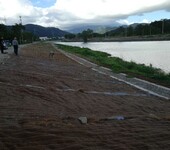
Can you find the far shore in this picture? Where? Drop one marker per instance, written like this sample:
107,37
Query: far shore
123,39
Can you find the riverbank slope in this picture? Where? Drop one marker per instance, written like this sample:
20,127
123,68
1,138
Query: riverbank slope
43,97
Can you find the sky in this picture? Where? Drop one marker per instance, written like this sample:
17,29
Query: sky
65,14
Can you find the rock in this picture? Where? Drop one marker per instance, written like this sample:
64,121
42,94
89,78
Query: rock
83,120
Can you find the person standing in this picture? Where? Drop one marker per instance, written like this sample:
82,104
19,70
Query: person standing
15,45
2,45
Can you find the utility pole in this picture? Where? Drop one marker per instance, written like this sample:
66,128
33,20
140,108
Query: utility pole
20,20
125,31
150,29
162,26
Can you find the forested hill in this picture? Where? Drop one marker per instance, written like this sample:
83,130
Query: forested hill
44,31
153,28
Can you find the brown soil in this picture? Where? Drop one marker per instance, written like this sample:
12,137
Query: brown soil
41,99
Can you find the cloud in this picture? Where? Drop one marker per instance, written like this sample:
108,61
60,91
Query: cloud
15,8
89,9
106,11
65,13
127,22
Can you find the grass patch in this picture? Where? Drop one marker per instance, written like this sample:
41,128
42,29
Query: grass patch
119,65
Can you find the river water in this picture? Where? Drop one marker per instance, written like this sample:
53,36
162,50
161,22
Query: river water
156,53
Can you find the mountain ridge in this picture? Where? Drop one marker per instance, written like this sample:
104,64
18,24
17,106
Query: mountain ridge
45,31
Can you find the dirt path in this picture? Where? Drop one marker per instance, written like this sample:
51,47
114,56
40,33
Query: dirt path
41,99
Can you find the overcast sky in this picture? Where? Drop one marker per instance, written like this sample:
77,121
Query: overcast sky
66,13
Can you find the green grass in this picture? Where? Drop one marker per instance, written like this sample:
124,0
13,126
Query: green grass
120,66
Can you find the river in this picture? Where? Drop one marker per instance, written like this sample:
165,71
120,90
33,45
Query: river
156,53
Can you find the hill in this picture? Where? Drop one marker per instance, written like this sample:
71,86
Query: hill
161,27
99,28
44,31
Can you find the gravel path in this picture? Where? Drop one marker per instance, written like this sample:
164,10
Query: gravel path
56,103
141,84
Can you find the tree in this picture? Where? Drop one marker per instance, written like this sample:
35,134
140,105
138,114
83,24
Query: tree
87,34
70,36
129,31
156,27
166,26
29,37
139,29
3,30
17,31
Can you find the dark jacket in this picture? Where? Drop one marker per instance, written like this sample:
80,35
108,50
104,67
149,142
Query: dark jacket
1,44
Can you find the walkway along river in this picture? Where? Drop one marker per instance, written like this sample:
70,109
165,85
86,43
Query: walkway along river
42,100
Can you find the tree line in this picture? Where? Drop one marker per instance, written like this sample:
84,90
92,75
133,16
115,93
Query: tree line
154,28
17,30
